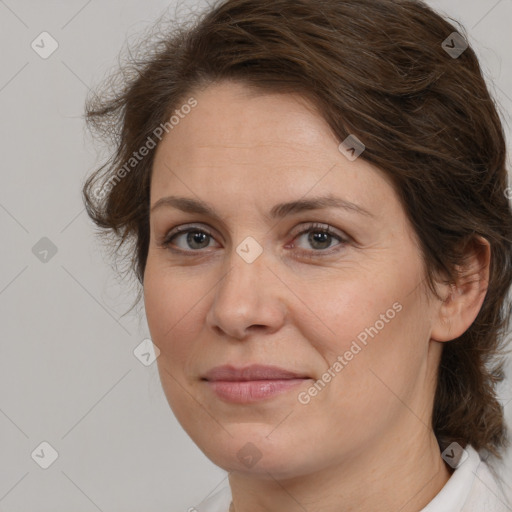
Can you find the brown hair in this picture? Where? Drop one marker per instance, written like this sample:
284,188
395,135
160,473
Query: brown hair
376,69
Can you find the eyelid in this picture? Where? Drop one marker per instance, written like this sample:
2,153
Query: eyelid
320,226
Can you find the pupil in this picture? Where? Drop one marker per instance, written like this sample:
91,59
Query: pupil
322,238
196,237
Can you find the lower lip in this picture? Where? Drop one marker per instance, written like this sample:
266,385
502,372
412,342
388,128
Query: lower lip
252,390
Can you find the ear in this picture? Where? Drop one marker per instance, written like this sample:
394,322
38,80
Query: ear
462,300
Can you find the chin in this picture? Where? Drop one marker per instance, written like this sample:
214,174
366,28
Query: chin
249,451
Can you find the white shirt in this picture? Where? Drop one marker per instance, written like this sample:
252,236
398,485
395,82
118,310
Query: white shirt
471,488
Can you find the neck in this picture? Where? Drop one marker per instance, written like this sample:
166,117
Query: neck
404,475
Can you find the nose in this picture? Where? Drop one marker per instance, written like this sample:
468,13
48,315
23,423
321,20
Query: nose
249,298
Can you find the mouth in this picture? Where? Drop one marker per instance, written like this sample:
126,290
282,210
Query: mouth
252,383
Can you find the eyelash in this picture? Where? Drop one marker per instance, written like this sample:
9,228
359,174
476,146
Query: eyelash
312,227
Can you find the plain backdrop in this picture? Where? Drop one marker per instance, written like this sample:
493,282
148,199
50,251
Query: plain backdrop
68,373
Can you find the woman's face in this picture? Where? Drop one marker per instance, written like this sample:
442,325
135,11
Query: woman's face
253,283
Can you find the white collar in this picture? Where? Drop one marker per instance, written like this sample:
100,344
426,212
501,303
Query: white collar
453,495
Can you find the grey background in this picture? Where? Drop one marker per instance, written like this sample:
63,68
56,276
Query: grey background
68,374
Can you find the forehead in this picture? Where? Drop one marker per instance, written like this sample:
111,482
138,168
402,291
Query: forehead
230,116
244,143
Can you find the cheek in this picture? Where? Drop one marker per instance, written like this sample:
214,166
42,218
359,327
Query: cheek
371,375
383,344
342,311
172,318
373,328
171,310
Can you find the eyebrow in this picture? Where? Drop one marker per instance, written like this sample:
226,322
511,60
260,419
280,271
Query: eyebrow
190,205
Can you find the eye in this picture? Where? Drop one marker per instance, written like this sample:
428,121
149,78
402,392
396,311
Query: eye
193,239
319,237
188,238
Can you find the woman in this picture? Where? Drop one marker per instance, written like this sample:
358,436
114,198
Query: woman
316,197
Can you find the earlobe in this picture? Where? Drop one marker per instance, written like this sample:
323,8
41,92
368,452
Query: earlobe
463,300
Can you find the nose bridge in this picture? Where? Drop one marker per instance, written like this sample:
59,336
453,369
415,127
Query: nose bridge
246,294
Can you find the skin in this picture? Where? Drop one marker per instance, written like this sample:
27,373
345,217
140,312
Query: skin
243,152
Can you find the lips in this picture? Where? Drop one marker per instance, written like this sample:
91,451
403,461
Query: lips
253,372
252,383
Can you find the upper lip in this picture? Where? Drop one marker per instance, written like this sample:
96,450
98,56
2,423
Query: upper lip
252,372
